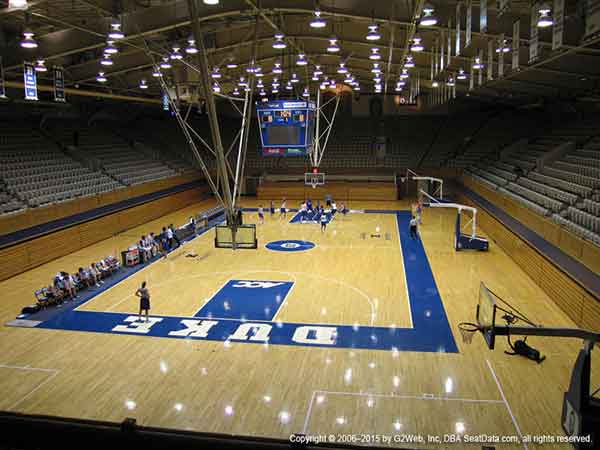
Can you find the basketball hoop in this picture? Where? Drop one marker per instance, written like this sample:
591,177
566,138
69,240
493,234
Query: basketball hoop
467,331
314,179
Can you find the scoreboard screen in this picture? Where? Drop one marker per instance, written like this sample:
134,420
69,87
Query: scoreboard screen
286,127
283,135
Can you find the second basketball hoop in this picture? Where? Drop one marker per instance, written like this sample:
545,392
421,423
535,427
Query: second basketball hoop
314,179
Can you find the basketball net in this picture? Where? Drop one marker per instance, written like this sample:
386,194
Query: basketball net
467,331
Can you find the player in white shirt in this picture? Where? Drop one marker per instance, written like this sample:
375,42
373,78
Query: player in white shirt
283,209
323,221
261,214
303,209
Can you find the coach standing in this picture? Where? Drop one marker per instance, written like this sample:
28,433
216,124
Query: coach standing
144,296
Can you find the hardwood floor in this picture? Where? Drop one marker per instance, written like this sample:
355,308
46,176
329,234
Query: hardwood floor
267,389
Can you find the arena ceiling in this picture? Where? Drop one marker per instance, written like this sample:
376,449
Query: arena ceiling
73,34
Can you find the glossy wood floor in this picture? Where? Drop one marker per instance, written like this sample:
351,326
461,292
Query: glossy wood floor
279,390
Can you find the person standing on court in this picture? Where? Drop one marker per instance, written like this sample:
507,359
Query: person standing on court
283,210
413,228
144,296
323,221
272,208
419,212
261,214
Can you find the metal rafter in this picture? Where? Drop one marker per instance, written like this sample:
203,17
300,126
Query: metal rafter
211,110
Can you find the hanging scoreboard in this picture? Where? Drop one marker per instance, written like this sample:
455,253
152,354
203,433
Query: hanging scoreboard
286,127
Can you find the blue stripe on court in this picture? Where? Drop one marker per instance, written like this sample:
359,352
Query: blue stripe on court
247,300
427,309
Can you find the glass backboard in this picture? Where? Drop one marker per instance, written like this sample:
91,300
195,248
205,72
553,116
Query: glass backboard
486,314
314,179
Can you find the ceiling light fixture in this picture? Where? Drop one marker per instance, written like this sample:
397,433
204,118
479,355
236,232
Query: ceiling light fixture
28,41
333,46
375,56
545,19
106,60
279,43
115,31
317,21
428,19
40,66
101,78
176,55
301,60
143,84
110,48
165,64
373,34
504,48
191,48
14,4
416,45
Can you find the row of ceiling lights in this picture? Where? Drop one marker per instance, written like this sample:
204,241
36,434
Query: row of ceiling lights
428,19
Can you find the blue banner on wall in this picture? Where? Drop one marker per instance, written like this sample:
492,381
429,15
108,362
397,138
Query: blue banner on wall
2,90
59,85
30,80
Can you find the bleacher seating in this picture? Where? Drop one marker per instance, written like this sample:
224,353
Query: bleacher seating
536,197
68,160
36,172
568,188
9,203
119,160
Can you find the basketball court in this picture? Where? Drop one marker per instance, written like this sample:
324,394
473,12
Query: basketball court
348,336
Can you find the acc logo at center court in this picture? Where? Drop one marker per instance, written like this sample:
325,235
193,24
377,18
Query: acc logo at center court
290,246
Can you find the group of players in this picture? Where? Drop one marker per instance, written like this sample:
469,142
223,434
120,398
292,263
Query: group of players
309,213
